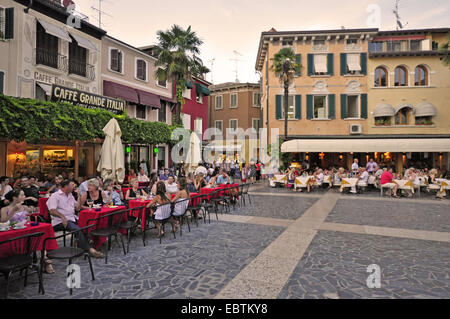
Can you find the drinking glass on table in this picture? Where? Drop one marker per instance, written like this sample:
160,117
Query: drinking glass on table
90,202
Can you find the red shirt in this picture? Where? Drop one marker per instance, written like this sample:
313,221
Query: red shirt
386,177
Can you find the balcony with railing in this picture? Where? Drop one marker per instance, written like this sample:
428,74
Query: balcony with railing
81,68
402,48
50,59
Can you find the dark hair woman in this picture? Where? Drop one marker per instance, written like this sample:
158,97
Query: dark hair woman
159,199
181,196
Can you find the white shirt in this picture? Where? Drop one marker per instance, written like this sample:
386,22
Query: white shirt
172,188
143,178
83,188
355,166
320,178
364,177
7,190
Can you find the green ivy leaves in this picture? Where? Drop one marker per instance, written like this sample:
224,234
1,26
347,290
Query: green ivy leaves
33,121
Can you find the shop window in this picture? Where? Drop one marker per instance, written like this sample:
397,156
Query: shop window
141,111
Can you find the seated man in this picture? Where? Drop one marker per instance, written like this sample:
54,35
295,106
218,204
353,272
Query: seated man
61,206
142,177
386,180
223,178
171,186
165,175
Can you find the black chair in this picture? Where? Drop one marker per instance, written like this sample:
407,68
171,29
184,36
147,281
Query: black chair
114,222
245,190
219,200
132,223
165,211
67,253
208,207
21,256
179,213
196,209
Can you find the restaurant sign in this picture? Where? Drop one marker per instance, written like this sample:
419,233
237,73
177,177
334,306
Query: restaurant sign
85,99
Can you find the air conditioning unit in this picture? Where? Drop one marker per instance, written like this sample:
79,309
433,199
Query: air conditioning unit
355,129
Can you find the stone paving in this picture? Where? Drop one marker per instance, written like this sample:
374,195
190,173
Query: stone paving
284,245
398,214
335,264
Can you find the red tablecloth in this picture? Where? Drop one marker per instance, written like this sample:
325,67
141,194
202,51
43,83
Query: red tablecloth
47,229
138,203
87,214
208,190
144,184
43,209
125,189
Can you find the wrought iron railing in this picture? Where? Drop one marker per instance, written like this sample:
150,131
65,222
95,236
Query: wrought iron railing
82,69
50,58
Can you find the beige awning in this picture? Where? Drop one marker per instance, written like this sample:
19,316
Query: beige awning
366,145
83,42
403,105
383,109
55,30
353,62
320,63
425,109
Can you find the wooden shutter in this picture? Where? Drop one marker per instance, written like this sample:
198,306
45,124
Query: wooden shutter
114,60
364,63
298,60
331,106
119,61
2,81
309,106
278,106
310,64
330,63
343,63
343,106
9,23
141,70
364,106
298,107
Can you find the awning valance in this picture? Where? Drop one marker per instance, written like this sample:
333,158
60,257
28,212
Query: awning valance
188,84
425,109
120,91
55,30
366,145
201,89
383,109
46,87
149,99
82,42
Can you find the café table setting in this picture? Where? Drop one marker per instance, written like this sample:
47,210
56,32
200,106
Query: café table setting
301,181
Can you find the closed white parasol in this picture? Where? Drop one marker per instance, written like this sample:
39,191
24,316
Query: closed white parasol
111,164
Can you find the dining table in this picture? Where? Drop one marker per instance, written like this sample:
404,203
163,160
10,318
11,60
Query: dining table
301,181
87,214
404,184
349,182
43,209
278,178
47,229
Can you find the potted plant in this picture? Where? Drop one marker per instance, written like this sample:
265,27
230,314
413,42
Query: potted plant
428,122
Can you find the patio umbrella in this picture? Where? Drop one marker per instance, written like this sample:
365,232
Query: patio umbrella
194,155
111,164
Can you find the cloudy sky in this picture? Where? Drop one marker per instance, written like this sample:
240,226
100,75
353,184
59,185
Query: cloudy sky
236,25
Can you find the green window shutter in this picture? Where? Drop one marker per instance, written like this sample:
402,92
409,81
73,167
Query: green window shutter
343,63
310,64
267,71
330,63
309,106
331,106
9,23
343,106
2,77
278,107
298,59
298,107
364,63
364,106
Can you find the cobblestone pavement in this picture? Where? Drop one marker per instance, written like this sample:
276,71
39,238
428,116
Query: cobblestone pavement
196,265
397,214
284,245
276,206
335,266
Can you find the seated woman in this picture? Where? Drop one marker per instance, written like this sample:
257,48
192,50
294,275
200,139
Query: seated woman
113,192
94,193
16,212
159,199
182,194
134,191
200,182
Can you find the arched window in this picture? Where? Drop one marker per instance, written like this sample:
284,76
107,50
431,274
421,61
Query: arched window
404,116
421,76
401,76
381,77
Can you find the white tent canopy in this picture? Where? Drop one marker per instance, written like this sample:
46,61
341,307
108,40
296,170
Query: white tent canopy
367,145
112,161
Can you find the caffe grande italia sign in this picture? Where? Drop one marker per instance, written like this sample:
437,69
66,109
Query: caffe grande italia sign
86,99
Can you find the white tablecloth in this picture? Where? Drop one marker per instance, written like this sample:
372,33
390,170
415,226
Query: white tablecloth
349,182
301,181
280,179
404,184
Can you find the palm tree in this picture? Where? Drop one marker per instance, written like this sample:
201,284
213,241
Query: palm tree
445,50
285,67
178,60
